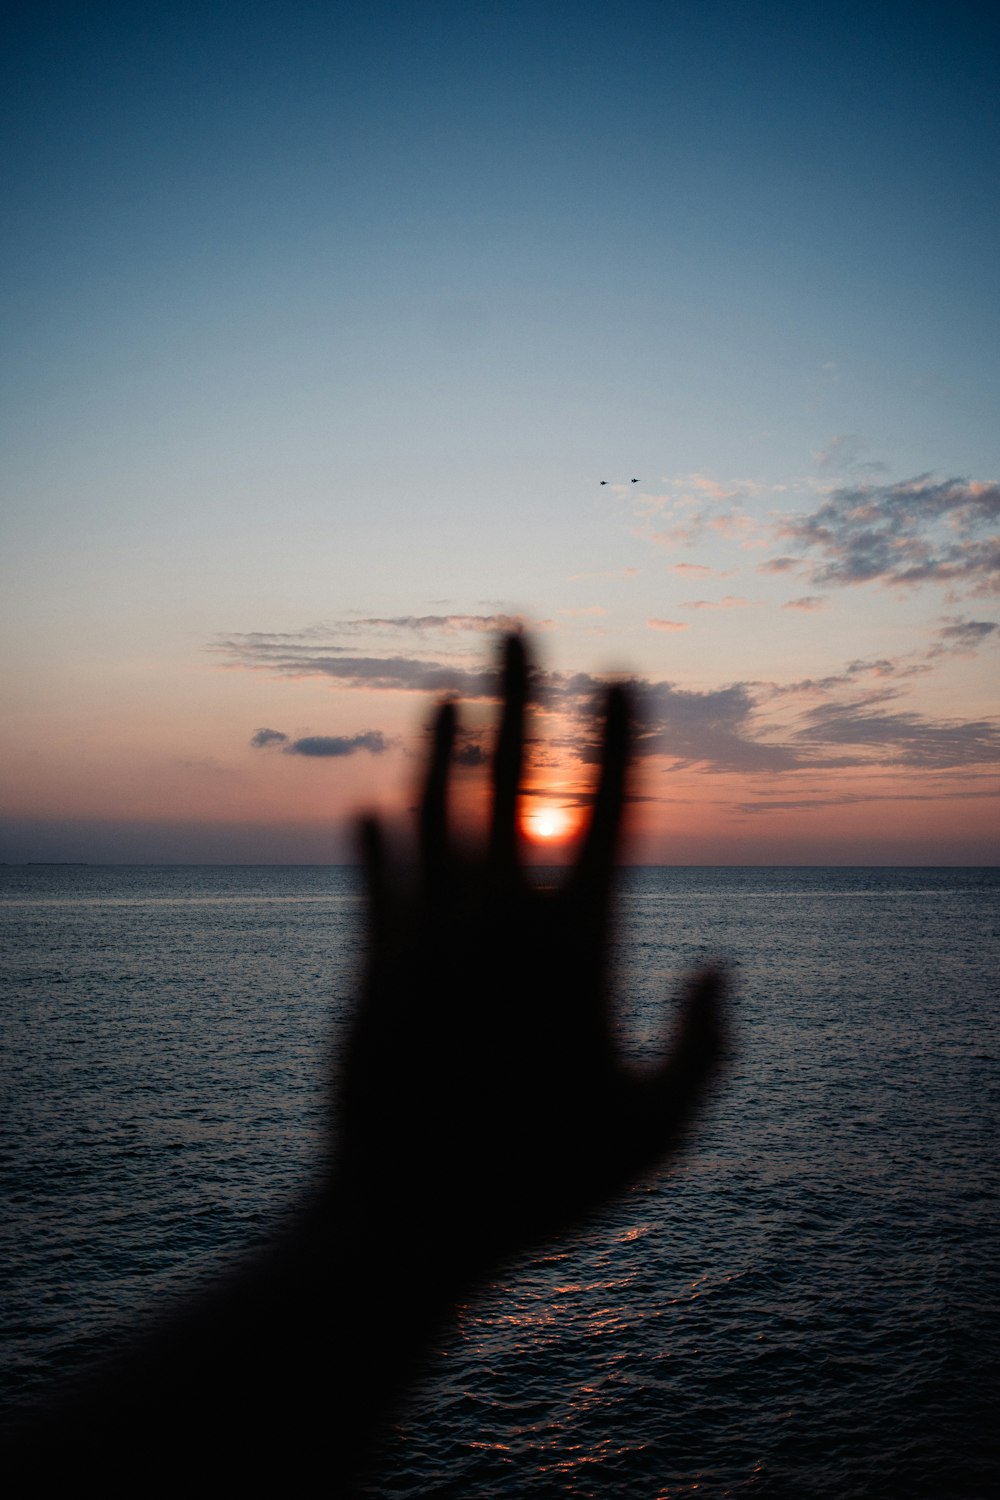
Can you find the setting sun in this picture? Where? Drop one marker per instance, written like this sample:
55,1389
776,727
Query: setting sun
545,824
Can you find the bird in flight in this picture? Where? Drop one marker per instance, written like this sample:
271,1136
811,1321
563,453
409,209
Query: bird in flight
634,481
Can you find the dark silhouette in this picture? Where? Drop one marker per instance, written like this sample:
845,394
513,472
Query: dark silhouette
481,1108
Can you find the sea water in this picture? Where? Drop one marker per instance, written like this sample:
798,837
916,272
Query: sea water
806,1304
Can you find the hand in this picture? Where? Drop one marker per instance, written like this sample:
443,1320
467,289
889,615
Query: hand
483,1104
482,1109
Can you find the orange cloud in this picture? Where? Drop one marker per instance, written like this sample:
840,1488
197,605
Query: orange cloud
728,601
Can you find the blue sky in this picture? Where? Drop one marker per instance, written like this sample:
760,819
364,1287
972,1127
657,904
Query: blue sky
320,315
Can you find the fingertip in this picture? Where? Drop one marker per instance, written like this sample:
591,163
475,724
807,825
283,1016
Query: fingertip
618,715
514,654
617,736
515,670
672,1094
704,1025
509,752
600,846
444,730
369,837
433,809
706,987
447,718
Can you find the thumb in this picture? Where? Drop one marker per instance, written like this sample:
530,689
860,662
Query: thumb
667,1098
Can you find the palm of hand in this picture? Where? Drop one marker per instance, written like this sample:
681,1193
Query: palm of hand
484,1106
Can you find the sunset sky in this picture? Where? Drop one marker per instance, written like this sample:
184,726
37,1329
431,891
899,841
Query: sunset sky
323,325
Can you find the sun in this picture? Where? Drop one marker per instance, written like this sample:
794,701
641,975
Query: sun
547,824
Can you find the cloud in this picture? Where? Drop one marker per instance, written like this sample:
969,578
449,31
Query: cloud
852,799
885,666
699,489
322,745
713,729
921,530
904,738
734,524
264,737
807,602
691,570
841,452
690,530
958,636
693,504
743,728
882,668
304,655
471,754
585,797
654,624
448,624
793,804
336,745
712,489
728,601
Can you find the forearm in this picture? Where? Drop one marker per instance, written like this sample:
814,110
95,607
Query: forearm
302,1355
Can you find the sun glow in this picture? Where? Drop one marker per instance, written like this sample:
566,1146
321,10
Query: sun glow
547,824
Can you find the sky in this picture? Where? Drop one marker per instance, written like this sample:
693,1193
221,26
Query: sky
338,340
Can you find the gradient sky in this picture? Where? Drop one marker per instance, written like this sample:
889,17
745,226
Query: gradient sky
322,325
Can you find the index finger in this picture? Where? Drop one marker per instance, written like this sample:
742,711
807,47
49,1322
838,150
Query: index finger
433,808
509,753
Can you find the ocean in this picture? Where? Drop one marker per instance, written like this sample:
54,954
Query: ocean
806,1304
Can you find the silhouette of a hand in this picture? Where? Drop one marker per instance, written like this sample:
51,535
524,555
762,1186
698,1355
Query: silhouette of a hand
484,1106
